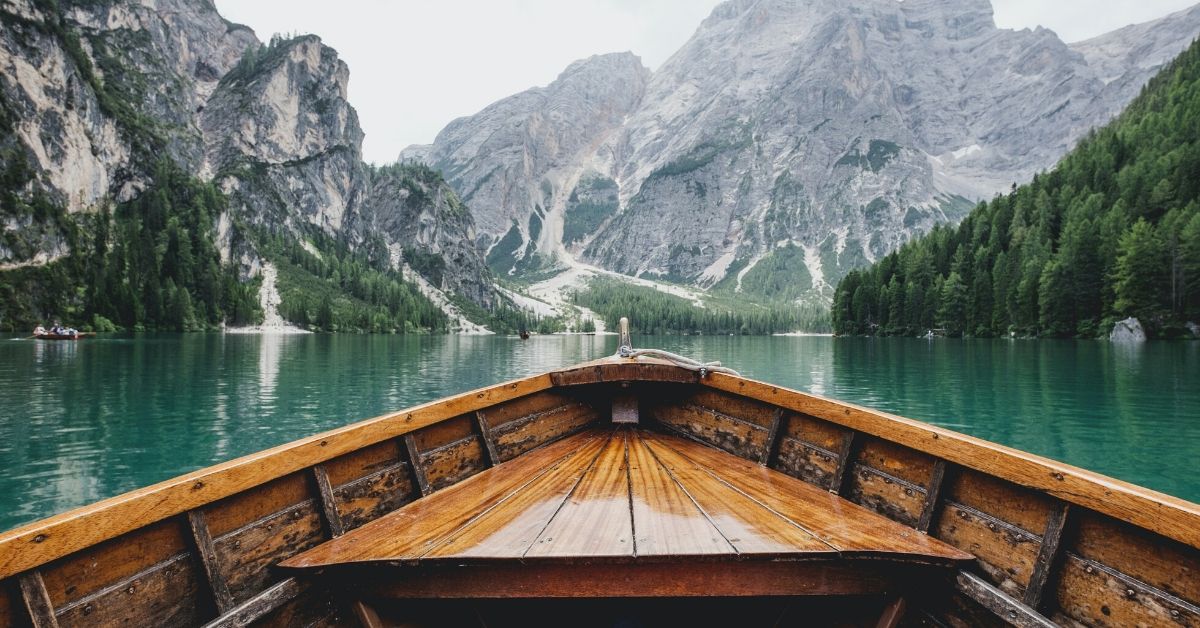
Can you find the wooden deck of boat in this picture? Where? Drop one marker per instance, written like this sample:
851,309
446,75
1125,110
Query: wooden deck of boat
628,497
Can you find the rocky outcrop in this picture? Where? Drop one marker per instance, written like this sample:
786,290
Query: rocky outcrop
93,95
520,159
803,137
1128,331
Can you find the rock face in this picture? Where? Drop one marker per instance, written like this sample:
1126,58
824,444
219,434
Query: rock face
788,136
1128,331
520,158
94,95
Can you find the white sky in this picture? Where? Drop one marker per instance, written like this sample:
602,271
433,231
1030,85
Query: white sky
417,65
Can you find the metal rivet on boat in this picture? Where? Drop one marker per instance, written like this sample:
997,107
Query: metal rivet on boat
992,527
296,514
198,485
1057,476
39,538
237,544
1174,612
1090,569
129,590
908,491
1130,592
1012,614
324,443
935,437
87,609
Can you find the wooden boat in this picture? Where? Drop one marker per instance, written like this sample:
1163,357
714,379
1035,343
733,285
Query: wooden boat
75,336
627,490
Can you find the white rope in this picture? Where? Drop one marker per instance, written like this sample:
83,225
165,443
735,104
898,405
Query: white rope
703,368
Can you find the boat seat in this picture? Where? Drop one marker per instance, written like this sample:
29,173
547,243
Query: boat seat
629,512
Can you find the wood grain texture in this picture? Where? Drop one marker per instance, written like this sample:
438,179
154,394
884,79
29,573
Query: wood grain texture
849,528
217,585
168,594
489,442
246,555
260,605
413,456
595,519
1170,516
86,572
1004,553
1048,555
37,601
1096,595
1012,611
933,495
375,495
667,522
743,522
700,579
510,528
427,521
54,537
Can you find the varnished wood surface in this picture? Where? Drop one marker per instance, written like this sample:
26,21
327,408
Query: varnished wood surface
42,541
1170,516
626,494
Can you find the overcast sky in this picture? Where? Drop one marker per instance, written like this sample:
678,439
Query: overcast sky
415,66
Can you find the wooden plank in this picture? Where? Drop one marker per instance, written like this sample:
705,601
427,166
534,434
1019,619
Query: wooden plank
217,585
414,463
1166,565
846,454
453,462
715,428
246,556
933,492
510,528
366,615
890,496
1006,553
1047,556
892,614
40,542
623,371
666,522
1004,606
489,443
595,519
325,497
256,607
519,436
37,600
1170,516
86,572
772,443
845,526
373,496
749,527
1097,595
168,594
806,461
648,579
428,521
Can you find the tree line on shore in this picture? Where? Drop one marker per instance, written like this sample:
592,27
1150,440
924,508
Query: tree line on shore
1112,231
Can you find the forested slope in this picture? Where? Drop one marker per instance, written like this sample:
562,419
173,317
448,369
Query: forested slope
1112,231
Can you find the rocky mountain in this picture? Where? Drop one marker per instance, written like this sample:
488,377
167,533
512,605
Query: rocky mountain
95,96
787,138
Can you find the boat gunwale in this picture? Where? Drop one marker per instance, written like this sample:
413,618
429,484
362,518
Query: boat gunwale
1158,512
40,542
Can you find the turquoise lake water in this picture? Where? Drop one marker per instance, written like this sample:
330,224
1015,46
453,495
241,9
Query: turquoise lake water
87,420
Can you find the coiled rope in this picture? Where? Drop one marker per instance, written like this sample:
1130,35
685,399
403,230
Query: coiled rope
626,350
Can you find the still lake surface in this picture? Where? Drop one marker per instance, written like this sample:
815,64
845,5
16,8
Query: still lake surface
80,421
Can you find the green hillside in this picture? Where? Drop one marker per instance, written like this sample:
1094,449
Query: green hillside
1113,231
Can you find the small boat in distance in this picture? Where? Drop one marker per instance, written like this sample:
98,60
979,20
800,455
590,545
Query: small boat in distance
79,335
640,489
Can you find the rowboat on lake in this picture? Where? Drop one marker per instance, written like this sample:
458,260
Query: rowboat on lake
630,490
79,335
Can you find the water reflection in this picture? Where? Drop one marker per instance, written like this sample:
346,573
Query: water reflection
82,421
